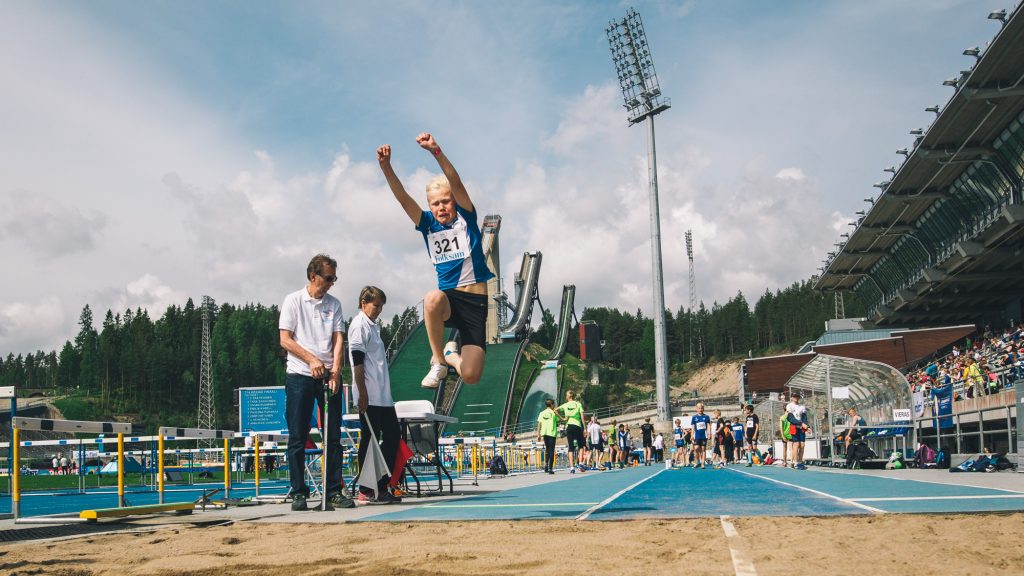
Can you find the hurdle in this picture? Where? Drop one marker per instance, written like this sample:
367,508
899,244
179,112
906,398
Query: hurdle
80,426
257,437
169,433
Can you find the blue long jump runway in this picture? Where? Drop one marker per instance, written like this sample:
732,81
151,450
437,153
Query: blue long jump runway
647,492
37,503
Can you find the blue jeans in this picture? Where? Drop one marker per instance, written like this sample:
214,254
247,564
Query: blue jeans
300,393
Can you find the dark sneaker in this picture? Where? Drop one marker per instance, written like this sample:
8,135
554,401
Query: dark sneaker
388,498
299,503
339,501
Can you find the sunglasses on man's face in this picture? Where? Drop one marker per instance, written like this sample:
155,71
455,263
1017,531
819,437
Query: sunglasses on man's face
331,278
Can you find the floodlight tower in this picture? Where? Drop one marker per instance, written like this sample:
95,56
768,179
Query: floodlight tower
643,100
693,287
207,416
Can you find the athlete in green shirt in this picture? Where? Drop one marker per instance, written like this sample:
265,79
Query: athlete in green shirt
572,412
547,430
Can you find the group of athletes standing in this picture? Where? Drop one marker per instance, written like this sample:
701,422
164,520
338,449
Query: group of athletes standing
730,441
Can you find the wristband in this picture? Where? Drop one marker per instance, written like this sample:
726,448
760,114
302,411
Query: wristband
436,151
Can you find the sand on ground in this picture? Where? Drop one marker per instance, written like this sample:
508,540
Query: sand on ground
875,544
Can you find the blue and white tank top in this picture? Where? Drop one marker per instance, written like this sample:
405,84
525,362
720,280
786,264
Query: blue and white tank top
455,249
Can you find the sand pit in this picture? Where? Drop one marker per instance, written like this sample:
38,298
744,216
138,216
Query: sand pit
876,545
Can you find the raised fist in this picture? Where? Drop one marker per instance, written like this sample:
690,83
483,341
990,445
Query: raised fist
426,141
384,154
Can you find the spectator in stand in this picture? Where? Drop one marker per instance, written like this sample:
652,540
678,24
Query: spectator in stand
854,423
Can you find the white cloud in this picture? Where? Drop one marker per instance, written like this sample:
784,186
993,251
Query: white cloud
47,226
30,326
794,174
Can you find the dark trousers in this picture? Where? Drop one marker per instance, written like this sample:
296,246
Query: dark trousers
301,392
384,420
549,453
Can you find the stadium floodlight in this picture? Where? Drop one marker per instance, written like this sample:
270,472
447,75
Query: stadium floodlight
882,185
934,109
917,132
973,51
844,235
889,169
631,55
860,212
954,82
904,151
643,100
869,200
998,15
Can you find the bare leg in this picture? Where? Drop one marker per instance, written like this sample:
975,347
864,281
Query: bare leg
436,310
469,363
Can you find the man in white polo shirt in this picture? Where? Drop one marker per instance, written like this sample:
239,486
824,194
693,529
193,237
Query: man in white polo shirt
371,391
312,332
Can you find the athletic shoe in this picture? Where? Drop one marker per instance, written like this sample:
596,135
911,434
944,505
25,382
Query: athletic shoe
801,467
749,465
367,498
388,498
299,503
438,372
572,470
451,348
339,501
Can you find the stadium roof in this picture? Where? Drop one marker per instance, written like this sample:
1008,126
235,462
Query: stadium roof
942,242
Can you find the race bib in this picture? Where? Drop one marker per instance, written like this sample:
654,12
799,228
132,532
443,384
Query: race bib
701,425
448,245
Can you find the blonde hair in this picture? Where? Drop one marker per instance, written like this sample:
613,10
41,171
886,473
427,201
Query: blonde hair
437,183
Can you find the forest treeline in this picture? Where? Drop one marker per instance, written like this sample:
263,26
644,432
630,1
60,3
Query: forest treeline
133,367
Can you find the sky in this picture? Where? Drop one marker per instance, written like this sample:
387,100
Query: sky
155,151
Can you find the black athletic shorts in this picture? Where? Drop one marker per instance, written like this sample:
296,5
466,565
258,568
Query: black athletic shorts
648,443
574,436
469,317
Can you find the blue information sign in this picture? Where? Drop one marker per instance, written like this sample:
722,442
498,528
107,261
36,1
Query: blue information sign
262,409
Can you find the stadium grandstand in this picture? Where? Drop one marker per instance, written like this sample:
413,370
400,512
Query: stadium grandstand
936,259
941,243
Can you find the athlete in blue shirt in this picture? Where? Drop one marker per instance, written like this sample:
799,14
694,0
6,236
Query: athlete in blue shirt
700,422
737,436
453,240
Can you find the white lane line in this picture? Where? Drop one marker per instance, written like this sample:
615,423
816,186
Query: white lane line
975,497
508,505
612,498
811,490
741,561
936,482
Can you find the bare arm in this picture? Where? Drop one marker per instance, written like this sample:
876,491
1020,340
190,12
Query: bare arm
337,344
427,142
316,367
412,209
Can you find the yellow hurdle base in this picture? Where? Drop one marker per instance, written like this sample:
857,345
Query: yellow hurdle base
178,507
